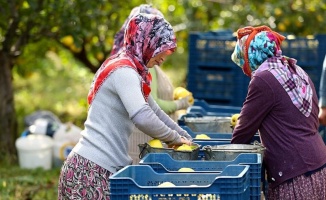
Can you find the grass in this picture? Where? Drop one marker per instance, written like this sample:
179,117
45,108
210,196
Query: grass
28,184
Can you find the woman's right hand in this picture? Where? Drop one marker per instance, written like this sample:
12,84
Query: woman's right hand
183,141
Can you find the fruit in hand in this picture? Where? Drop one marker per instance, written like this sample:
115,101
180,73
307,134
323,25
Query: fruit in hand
184,147
234,119
180,92
202,136
156,143
185,169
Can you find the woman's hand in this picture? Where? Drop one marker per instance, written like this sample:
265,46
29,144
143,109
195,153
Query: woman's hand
186,141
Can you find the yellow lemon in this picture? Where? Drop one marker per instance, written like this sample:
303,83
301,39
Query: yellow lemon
180,92
67,40
99,56
185,169
75,49
234,119
155,143
202,136
166,184
184,147
191,99
278,11
177,91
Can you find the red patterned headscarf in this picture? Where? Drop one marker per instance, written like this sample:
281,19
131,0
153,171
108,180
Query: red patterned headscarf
118,38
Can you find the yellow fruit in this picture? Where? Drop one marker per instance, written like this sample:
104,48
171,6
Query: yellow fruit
176,92
191,99
278,11
185,169
67,40
234,119
184,147
202,136
180,92
156,143
281,26
166,184
75,49
100,56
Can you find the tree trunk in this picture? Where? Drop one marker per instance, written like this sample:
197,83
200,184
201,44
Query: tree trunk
8,121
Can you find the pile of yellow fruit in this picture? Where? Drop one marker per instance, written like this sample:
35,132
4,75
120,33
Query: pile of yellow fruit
184,147
156,143
202,137
180,92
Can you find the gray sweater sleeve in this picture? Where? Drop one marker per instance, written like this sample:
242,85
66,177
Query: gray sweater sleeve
128,86
166,119
148,122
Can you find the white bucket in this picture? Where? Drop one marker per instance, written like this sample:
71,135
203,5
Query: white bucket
35,151
65,138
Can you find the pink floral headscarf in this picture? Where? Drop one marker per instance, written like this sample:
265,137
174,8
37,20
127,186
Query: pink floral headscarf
146,36
118,38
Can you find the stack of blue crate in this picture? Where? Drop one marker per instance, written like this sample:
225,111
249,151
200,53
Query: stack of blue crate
213,77
141,182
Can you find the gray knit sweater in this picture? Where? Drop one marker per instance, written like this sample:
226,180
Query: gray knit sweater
118,106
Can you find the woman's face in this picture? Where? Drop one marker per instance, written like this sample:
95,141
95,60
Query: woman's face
158,59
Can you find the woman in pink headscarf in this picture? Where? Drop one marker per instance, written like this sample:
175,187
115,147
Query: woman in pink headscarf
119,100
282,104
162,88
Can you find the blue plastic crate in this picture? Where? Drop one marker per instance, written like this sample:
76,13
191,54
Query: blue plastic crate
212,76
201,106
215,108
218,86
141,182
164,163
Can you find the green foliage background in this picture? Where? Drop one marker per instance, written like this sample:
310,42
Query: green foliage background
50,75
57,83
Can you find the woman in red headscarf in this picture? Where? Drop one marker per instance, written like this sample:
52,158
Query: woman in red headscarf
119,100
282,104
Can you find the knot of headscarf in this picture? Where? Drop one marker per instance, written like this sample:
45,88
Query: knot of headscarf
245,36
